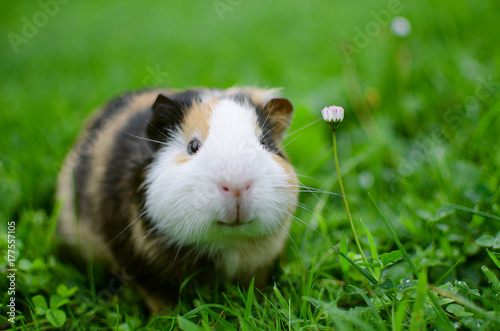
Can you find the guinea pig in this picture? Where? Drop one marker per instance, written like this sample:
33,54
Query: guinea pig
164,184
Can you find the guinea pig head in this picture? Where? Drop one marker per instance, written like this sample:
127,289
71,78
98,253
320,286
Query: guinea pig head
220,175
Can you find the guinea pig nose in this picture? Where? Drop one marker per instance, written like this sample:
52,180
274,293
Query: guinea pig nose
232,189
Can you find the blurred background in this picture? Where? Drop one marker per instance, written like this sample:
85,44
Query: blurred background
419,81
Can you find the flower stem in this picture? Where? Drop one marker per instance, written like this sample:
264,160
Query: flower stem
344,198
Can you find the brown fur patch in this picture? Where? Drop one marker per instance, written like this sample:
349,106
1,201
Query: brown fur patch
147,247
197,121
279,112
74,229
181,158
103,147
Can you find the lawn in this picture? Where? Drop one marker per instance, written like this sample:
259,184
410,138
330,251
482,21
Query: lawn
418,152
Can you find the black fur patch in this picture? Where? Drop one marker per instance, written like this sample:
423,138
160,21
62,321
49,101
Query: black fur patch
267,139
112,108
85,147
168,114
124,176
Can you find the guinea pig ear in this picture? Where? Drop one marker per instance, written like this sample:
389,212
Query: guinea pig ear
279,112
168,114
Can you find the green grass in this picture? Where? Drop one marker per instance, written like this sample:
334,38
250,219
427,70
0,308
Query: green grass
420,136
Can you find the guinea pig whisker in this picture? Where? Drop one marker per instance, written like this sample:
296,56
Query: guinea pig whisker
123,231
307,190
282,147
159,131
178,251
308,187
298,219
305,207
265,121
149,231
270,130
307,225
304,127
306,176
147,139
290,236
314,212
316,196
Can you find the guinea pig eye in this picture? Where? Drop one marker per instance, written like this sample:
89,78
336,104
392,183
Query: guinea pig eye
263,142
193,146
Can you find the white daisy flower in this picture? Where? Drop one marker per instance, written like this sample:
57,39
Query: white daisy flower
333,115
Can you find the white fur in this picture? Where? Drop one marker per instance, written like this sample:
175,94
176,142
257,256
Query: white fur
185,200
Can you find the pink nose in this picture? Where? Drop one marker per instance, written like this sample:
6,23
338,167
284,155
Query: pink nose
236,190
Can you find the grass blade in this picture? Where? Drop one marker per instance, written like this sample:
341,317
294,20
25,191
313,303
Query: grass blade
418,314
372,307
400,314
494,258
363,271
442,317
493,279
187,325
396,240
221,321
286,306
472,211
248,306
373,247
344,265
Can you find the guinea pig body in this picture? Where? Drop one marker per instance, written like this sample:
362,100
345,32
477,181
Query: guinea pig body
164,184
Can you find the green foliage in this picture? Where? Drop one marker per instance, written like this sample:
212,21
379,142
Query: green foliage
486,240
419,135
54,315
